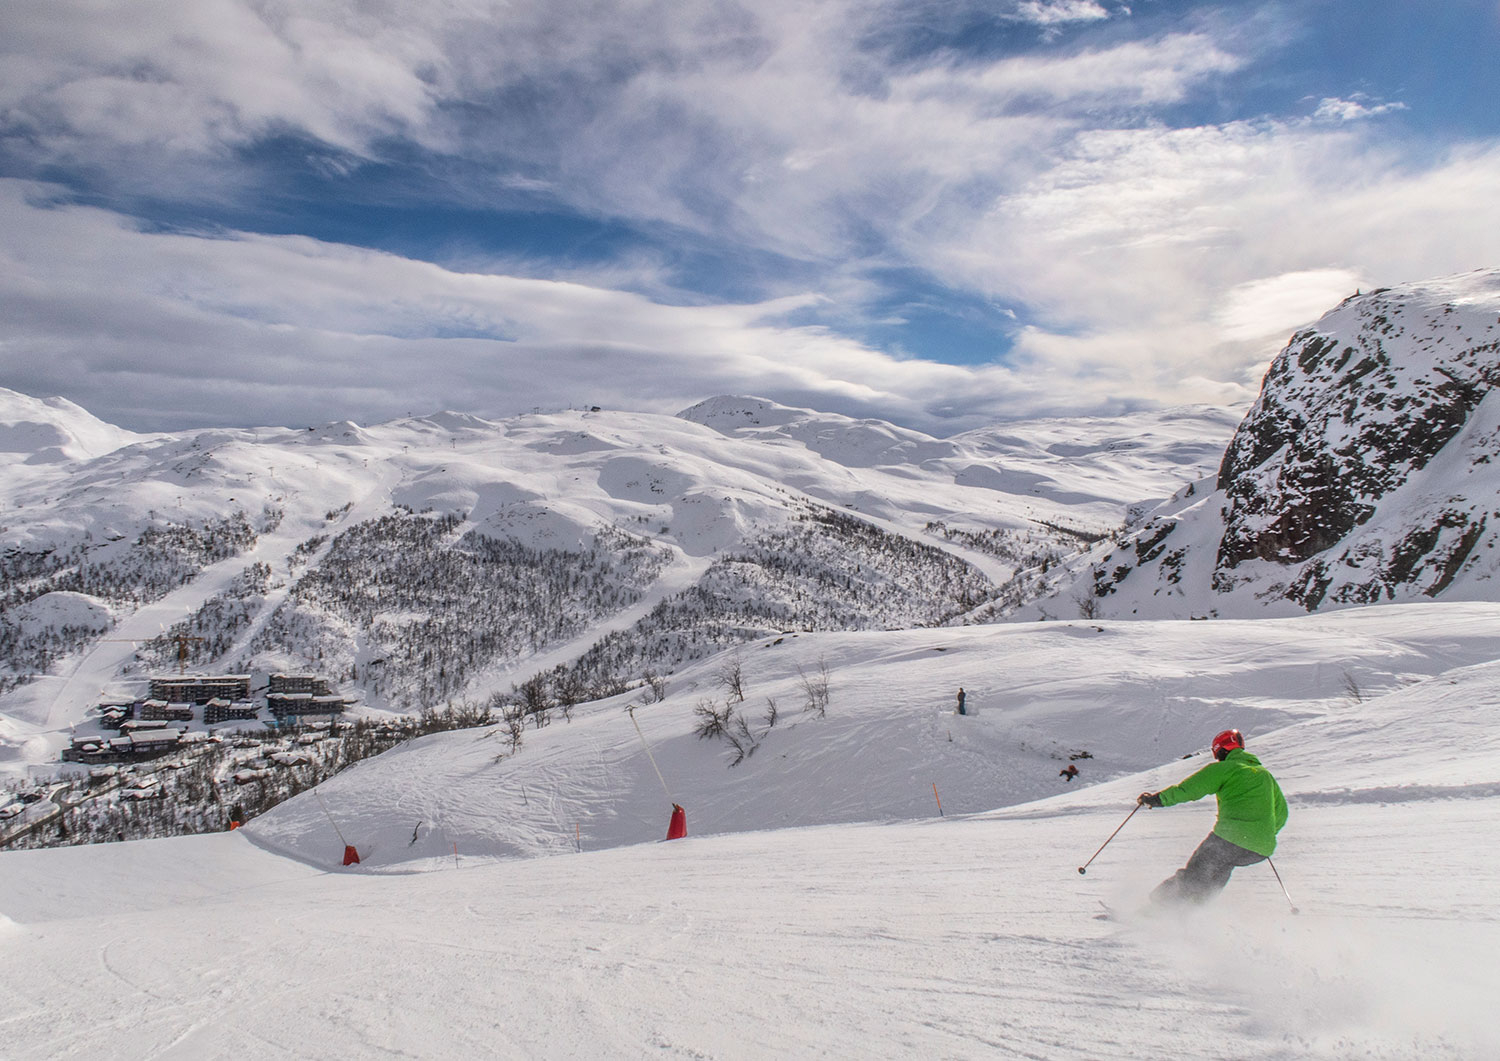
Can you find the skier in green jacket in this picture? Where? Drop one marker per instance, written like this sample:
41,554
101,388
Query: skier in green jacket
1252,811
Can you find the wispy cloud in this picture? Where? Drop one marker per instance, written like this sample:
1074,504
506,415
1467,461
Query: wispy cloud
1149,255
287,329
1354,109
1273,305
1053,12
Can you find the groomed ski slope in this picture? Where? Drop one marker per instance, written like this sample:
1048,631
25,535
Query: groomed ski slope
1131,694
970,935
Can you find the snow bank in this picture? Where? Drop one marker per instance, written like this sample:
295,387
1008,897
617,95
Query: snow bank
1131,695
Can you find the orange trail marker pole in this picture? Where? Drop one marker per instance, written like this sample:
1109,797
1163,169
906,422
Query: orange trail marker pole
939,800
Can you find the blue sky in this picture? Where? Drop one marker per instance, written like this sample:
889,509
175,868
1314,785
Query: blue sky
940,212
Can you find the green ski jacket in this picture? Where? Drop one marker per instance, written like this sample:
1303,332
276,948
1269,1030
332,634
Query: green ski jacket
1252,809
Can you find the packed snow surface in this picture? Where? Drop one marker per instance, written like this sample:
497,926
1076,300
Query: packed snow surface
970,934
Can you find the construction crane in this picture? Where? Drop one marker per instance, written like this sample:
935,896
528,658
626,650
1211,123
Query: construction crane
183,640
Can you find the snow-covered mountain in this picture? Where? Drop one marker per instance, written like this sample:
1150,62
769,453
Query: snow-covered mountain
1367,471
47,431
450,557
866,873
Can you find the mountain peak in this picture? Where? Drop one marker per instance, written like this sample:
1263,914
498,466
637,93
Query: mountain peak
1363,473
52,430
729,412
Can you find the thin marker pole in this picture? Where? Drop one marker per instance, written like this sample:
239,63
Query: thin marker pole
939,800
330,818
638,733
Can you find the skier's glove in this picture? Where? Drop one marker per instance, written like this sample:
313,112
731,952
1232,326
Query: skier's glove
1150,799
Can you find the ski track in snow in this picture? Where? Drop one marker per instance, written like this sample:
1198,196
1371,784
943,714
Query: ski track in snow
958,938
965,936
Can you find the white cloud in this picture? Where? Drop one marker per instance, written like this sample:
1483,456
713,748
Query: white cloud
1054,12
1153,262
1274,305
1158,249
151,327
1352,110
198,78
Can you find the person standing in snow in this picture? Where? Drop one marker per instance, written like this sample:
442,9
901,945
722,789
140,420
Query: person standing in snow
1252,811
1069,772
961,710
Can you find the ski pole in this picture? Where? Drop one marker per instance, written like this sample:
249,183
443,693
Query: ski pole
1283,887
1084,868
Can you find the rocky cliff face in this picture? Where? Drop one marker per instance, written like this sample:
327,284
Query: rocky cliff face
1365,472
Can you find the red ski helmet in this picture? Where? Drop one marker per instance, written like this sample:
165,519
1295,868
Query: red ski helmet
1227,742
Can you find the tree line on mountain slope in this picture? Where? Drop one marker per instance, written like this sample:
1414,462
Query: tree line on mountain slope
162,558
211,631
429,610
826,571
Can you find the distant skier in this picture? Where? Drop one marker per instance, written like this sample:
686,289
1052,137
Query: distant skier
961,710
1252,811
1068,772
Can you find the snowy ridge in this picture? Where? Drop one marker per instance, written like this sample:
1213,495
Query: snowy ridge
46,431
1366,472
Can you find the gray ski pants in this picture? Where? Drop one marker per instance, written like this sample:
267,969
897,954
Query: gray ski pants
1206,872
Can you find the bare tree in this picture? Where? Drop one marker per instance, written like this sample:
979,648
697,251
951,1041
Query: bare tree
773,713
514,720
657,685
731,677
569,690
815,688
713,721
535,701
740,738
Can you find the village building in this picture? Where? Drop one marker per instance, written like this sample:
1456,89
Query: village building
220,710
137,724
113,712
200,689
299,683
128,747
298,705
161,711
